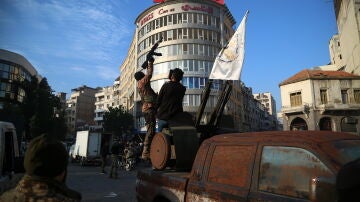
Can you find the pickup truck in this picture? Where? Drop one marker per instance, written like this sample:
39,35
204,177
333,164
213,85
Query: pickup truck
256,166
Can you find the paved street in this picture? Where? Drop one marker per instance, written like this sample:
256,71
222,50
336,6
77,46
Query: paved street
99,187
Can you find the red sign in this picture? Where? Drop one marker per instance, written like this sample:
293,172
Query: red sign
220,1
158,1
146,18
197,8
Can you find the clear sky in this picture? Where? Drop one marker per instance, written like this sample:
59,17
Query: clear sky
84,42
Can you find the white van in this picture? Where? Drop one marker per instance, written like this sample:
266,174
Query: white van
9,148
11,164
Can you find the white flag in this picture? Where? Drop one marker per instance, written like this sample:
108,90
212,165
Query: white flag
228,64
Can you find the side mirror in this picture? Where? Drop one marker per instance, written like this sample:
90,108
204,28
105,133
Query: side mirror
323,189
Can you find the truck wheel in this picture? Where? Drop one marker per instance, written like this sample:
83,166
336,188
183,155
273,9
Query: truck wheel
160,151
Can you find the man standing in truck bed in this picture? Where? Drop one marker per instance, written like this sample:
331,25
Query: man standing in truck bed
170,98
148,99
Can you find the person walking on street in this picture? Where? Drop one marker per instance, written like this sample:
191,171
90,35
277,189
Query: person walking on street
170,98
45,163
148,99
115,152
104,151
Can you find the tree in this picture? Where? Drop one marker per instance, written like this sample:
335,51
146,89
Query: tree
118,121
28,105
46,116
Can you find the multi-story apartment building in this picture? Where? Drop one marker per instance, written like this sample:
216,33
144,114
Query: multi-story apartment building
193,33
80,108
127,85
336,58
62,98
348,23
106,97
248,113
268,101
321,100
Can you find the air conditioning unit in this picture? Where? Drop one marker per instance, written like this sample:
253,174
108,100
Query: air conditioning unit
350,120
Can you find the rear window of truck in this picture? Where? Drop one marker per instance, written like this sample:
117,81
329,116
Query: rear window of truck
347,150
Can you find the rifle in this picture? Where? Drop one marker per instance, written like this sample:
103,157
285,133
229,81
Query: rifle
152,53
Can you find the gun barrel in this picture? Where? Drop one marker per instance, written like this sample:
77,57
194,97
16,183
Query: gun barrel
152,52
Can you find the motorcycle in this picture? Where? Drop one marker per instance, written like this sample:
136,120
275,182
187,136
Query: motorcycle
130,157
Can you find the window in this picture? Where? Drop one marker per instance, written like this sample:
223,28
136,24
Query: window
179,34
157,23
184,18
185,82
185,33
202,83
344,96
190,18
348,124
201,34
194,100
201,49
170,19
200,19
191,82
186,100
357,96
169,35
323,96
295,99
288,171
185,49
179,18
233,156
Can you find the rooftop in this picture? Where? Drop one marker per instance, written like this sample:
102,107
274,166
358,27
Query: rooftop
307,74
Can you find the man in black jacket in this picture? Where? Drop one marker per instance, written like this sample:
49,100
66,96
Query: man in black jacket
170,98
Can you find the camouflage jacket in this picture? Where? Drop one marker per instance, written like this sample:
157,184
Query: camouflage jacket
147,94
32,188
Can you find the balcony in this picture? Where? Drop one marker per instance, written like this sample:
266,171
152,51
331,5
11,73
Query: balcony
330,107
337,107
295,109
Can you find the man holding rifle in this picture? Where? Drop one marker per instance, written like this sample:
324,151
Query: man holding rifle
148,98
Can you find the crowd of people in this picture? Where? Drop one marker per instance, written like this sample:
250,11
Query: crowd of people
120,153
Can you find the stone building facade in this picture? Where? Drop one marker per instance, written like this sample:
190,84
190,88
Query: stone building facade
347,13
321,100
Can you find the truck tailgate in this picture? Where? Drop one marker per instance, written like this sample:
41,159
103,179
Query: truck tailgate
169,184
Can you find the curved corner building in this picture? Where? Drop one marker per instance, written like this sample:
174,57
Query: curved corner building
14,69
193,33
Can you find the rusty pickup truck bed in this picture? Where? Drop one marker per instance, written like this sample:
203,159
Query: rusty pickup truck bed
149,183
257,166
